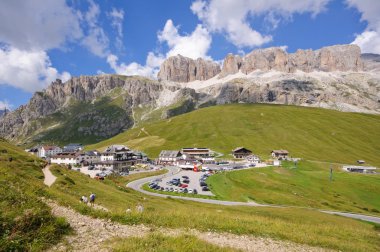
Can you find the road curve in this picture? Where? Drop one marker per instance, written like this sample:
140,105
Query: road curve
137,185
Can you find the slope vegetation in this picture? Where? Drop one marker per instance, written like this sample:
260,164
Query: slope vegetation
26,223
310,133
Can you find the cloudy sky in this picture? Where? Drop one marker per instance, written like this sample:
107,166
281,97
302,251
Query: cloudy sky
42,40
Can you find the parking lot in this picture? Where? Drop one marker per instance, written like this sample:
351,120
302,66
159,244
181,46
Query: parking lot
193,181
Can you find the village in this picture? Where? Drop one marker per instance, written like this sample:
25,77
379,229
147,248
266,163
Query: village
121,160
188,167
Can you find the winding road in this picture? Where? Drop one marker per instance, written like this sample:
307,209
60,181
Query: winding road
137,185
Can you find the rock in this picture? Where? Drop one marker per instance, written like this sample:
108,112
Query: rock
328,59
182,69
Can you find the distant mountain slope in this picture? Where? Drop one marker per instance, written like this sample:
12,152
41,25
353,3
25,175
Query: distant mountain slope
89,109
310,133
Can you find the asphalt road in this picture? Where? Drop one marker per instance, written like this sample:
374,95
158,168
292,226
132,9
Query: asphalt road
137,184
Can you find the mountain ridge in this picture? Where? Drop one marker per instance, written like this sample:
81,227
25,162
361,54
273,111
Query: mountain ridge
93,108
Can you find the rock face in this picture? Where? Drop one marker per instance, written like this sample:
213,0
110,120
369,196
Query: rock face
93,108
327,59
183,69
90,107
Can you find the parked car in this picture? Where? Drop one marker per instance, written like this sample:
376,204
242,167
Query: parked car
195,191
202,184
185,190
185,177
190,191
205,188
175,190
183,185
171,189
186,181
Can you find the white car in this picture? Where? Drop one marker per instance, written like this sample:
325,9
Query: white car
190,191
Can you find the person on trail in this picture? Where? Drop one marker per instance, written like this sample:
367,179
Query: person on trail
92,199
140,208
84,200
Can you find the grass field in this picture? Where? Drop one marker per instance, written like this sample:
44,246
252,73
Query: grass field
308,185
297,225
310,133
26,223
161,243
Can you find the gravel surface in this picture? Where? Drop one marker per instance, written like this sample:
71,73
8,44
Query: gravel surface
49,177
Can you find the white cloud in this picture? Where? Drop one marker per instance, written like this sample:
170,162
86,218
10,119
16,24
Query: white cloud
194,45
150,69
95,40
117,17
28,70
232,17
5,105
369,40
38,24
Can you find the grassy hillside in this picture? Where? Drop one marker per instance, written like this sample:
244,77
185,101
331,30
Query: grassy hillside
26,223
310,133
298,225
307,185
160,243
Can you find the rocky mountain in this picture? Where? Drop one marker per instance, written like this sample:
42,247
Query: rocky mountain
183,69
88,109
328,59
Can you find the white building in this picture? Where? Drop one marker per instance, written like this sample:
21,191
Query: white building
88,157
169,157
48,151
64,159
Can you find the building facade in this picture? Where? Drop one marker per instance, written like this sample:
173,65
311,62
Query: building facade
241,152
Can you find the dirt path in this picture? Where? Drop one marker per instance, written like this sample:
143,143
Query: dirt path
90,234
49,177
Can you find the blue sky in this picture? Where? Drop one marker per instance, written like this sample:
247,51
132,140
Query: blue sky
41,40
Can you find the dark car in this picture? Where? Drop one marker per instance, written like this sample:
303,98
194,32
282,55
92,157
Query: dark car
202,183
185,177
186,181
185,190
195,191
205,188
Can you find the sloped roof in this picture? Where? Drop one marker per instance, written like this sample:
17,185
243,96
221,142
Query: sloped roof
169,153
240,148
280,151
50,147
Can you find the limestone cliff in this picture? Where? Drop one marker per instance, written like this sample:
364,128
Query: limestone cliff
327,59
183,69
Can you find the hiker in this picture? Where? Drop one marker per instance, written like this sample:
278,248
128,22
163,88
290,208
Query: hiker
128,211
140,208
92,199
85,199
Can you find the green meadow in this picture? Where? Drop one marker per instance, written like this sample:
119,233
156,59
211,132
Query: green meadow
298,225
306,185
309,133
